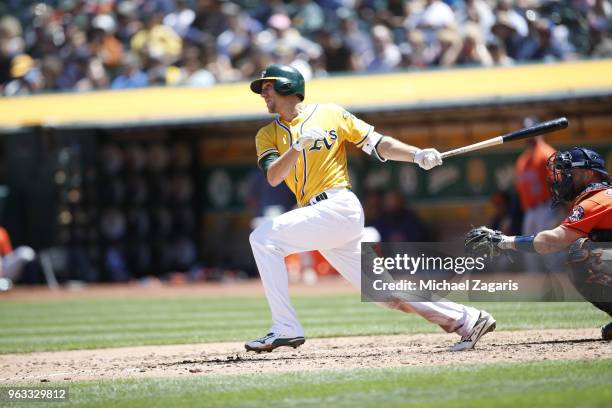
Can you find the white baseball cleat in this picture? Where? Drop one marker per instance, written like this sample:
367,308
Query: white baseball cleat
271,341
484,325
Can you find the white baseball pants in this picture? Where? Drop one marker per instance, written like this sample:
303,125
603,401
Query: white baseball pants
334,227
14,262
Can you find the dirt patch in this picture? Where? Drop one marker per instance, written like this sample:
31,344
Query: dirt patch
230,358
332,353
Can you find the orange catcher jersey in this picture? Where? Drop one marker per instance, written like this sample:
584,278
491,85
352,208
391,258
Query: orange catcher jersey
592,210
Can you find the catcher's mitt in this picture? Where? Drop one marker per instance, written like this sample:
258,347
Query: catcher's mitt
483,242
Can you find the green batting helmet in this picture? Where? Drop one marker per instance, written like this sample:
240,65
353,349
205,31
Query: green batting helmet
287,80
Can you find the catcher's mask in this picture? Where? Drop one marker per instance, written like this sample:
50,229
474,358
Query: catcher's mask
560,165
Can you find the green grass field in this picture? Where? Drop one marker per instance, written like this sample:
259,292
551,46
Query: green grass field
93,323
548,384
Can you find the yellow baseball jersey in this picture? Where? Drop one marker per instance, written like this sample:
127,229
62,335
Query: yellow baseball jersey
323,165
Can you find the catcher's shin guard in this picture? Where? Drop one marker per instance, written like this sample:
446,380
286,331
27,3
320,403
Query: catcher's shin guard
591,272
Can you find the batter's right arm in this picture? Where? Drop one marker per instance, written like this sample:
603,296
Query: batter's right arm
279,169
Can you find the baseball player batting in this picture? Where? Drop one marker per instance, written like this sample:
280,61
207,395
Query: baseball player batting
305,148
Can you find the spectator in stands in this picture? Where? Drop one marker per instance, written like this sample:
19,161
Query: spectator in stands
421,54
46,35
406,61
75,67
285,54
103,43
338,56
356,40
600,12
194,72
387,55
435,15
51,69
468,49
505,31
96,77
211,20
13,261
26,78
514,17
449,46
601,43
220,65
132,76
79,45
394,15
476,11
498,53
307,16
600,19
181,19
288,40
157,41
256,62
543,46
265,9
473,49
236,39
128,22
11,45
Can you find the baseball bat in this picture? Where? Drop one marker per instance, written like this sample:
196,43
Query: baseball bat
524,133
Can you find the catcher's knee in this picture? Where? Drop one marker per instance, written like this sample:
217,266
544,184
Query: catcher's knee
591,272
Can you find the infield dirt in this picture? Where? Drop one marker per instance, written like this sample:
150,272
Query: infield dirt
320,353
326,353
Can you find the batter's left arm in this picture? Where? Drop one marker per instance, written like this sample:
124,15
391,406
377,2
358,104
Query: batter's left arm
392,149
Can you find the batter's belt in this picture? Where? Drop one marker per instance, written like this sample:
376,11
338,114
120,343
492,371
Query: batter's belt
326,195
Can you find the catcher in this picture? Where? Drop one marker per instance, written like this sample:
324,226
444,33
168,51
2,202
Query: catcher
578,176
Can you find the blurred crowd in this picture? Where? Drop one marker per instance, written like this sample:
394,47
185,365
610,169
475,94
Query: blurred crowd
79,45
